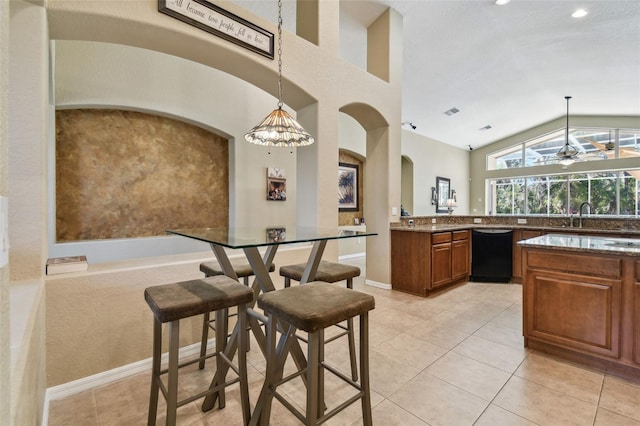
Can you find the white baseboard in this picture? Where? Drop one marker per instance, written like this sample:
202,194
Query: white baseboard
71,388
352,256
377,284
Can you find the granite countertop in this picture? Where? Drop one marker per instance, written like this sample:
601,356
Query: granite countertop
585,244
460,227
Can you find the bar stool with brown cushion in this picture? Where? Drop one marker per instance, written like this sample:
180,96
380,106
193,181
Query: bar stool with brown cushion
330,272
210,269
172,302
323,306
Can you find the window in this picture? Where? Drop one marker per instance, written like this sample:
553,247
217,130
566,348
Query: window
609,193
592,145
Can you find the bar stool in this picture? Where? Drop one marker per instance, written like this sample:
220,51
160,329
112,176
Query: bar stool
210,269
324,306
330,272
172,302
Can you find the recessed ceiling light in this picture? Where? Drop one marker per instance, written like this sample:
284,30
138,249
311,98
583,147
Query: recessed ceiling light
502,2
579,13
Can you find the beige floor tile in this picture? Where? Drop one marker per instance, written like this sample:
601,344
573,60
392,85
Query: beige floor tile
496,416
499,334
389,414
387,374
476,362
398,320
542,405
378,334
115,402
458,321
511,320
494,354
78,409
621,397
474,377
437,334
421,308
437,402
561,376
412,351
605,417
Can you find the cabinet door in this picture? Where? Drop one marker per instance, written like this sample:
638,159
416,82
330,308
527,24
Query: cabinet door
516,264
460,259
410,262
573,311
440,264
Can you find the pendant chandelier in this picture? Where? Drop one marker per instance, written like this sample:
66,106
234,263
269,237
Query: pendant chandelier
567,154
279,128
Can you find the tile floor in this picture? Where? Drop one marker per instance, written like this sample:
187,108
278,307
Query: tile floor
456,358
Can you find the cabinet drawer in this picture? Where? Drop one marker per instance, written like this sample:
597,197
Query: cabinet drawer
460,235
440,237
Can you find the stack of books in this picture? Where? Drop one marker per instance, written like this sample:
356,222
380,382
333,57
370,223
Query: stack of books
62,265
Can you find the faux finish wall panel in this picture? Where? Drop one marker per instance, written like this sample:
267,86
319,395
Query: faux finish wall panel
124,174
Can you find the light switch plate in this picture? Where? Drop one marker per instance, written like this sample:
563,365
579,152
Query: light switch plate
433,220
477,220
4,231
394,211
522,221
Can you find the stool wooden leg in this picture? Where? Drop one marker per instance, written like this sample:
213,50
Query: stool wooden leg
242,364
205,338
172,384
221,345
313,378
155,372
364,369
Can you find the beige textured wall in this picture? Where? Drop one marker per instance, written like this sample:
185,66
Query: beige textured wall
5,360
347,218
27,92
123,174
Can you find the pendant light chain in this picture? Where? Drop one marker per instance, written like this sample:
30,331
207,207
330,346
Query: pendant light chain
279,53
279,128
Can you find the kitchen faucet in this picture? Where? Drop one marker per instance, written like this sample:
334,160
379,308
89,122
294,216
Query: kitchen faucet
581,206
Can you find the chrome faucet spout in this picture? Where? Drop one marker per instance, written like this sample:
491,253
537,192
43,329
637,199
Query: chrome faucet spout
581,206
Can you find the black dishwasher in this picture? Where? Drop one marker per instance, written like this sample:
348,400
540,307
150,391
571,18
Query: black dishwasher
491,255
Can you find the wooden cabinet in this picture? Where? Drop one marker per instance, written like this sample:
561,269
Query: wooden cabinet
636,314
440,264
584,307
516,263
422,261
460,255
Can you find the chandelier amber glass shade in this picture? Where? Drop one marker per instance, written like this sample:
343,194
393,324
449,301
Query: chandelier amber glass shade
279,129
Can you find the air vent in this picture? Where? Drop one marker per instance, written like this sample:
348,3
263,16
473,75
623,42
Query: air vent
452,111
487,127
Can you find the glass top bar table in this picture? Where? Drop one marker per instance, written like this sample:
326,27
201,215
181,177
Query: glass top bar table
250,240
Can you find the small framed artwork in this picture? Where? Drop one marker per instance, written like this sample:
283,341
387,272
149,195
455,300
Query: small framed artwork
348,179
276,234
276,184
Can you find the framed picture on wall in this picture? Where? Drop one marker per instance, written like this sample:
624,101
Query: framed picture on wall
348,181
276,184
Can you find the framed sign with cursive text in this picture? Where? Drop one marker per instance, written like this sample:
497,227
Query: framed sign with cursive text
215,20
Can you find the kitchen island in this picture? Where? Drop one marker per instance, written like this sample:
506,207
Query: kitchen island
581,300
